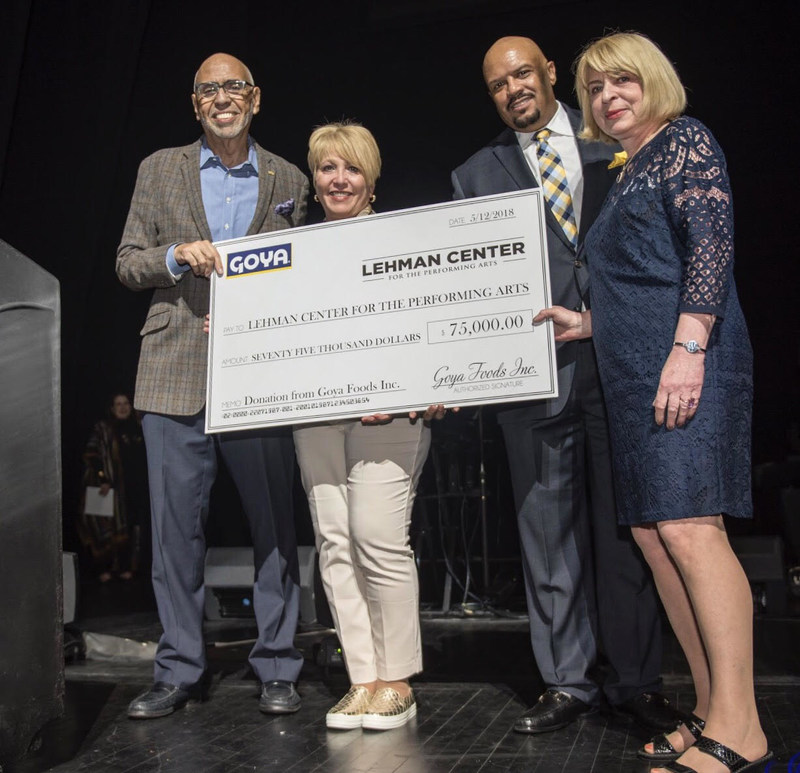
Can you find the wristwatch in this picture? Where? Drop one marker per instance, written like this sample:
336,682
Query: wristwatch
691,346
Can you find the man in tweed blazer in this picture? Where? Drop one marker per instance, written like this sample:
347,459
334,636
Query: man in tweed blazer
222,186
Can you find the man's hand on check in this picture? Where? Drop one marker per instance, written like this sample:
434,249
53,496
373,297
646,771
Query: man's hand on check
202,257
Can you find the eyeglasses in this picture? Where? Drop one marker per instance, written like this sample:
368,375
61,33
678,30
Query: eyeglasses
233,88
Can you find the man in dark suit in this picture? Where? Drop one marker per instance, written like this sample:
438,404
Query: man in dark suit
223,186
584,579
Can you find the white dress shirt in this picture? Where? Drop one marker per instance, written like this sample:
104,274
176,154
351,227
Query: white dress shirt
562,140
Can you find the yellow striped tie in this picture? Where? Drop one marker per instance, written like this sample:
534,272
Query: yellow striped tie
555,187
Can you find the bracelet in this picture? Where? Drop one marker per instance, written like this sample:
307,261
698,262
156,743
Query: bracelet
691,346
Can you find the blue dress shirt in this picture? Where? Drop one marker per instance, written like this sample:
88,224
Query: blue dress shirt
229,198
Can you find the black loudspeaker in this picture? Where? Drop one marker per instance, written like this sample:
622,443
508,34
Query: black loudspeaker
790,507
228,581
229,577
31,635
761,557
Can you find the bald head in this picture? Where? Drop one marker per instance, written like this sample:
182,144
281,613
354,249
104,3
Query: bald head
224,60
520,80
524,46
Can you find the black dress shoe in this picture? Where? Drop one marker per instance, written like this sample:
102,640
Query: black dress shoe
554,710
278,697
652,711
161,699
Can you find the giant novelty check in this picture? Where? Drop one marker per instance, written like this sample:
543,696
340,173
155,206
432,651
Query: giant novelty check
382,314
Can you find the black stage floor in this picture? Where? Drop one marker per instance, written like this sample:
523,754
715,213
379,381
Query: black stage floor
479,676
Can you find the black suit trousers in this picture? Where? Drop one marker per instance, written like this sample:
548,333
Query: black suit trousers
587,585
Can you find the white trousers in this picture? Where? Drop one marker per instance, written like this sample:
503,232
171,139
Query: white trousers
361,482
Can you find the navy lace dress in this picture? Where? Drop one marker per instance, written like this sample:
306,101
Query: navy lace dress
662,245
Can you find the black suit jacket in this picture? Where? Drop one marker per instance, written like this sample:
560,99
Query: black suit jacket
500,167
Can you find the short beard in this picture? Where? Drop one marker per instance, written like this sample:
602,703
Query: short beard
524,121
226,133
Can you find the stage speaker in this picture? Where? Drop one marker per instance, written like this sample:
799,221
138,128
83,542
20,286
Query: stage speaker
761,557
229,577
32,633
790,505
69,567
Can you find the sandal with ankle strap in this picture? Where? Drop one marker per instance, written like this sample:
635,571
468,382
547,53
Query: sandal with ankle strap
663,750
728,757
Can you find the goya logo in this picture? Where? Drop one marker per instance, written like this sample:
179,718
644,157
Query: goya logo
255,262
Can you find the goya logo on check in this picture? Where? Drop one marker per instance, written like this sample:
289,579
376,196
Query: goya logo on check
257,261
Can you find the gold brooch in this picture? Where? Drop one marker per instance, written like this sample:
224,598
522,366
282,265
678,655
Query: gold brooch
620,159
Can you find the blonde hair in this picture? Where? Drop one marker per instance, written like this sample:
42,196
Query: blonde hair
350,141
663,95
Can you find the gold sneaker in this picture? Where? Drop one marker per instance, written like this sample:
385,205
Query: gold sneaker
387,710
347,713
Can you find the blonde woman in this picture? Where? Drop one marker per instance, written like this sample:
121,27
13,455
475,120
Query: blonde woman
361,477
676,367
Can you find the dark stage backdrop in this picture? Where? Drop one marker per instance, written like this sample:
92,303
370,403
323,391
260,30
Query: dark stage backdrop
89,88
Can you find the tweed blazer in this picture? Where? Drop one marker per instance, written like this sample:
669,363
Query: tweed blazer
167,208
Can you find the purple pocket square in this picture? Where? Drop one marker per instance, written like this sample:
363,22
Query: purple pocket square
285,208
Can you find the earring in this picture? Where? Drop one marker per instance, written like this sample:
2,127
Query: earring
372,198
316,198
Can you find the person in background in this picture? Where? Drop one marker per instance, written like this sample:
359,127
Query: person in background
115,461
676,366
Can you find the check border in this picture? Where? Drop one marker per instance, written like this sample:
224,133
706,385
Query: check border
224,306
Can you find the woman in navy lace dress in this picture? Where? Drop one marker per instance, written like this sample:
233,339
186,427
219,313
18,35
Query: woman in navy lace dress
676,367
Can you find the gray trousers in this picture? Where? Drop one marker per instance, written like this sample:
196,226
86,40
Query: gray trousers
587,585
182,465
